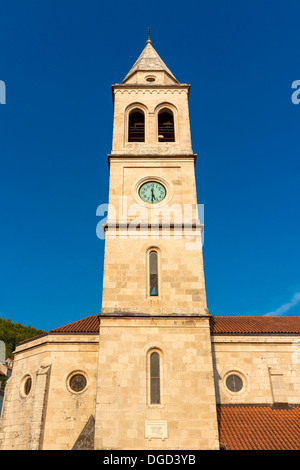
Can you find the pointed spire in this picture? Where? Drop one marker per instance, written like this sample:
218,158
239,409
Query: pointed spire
149,60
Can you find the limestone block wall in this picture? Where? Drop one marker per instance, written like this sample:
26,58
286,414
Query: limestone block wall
187,408
177,174
139,78
181,277
269,366
51,416
150,99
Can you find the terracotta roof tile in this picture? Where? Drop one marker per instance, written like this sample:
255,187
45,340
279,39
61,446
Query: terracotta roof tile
258,427
86,325
255,325
218,326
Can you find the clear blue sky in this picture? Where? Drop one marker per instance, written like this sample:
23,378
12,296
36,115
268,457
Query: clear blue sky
59,59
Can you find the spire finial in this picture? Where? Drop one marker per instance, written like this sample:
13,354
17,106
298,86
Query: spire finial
149,40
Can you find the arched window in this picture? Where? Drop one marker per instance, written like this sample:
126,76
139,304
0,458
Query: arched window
136,126
154,378
153,273
166,132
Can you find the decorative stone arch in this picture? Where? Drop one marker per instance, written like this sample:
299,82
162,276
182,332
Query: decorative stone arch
154,374
153,275
166,123
136,128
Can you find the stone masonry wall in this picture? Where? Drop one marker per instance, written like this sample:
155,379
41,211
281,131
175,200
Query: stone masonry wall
187,390
269,366
51,417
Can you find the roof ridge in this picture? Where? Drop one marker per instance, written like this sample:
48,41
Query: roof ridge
85,324
219,325
255,405
254,325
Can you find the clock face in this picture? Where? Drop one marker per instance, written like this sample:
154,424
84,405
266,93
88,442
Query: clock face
152,192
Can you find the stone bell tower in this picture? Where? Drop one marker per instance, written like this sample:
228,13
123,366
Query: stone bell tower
155,378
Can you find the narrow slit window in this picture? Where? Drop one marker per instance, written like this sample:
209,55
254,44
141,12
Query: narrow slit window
136,126
154,378
153,274
166,132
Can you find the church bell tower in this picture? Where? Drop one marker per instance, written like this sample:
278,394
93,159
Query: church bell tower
155,377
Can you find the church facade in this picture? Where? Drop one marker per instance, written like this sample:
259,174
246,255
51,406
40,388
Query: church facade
154,370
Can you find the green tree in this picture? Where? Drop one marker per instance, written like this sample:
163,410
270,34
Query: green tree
13,333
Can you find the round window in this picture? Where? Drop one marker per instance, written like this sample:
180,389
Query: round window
234,383
150,79
26,385
77,382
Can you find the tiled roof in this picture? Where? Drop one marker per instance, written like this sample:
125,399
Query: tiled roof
258,427
218,326
255,325
86,325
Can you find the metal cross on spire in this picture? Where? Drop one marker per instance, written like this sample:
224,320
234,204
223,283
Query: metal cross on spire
149,40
